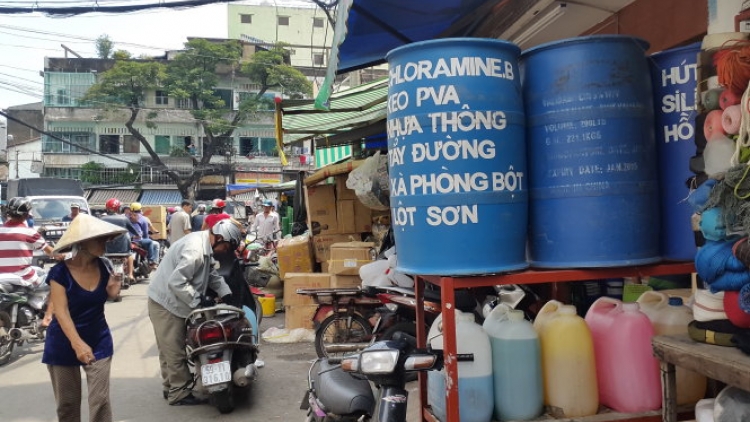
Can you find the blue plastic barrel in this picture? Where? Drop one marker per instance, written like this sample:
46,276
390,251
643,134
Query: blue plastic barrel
457,157
594,197
674,79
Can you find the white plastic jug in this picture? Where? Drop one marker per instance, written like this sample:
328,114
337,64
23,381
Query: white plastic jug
475,388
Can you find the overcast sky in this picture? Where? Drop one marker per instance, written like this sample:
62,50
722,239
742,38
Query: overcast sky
26,39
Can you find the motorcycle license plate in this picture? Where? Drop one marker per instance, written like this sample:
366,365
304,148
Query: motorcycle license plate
215,373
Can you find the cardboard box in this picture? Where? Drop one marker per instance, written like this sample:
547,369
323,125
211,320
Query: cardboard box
294,281
322,244
321,209
162,227
299,316
338,281
354,216
342,192
346,258
155,213
295,255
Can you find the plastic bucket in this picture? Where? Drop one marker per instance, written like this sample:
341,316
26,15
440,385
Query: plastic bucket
674,79
268,304
594,198
457,157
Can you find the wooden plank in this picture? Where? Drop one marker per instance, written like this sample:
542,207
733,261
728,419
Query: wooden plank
669,392
726,364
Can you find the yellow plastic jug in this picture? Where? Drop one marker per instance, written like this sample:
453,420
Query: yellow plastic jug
670,316
568,365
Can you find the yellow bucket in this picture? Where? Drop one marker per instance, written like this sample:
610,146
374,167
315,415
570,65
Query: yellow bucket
268,304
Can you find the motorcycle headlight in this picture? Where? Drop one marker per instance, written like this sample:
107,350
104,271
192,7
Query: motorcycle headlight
378,361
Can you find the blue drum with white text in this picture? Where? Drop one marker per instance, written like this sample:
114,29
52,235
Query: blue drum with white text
457,157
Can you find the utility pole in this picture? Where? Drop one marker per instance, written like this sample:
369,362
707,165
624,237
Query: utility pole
17,151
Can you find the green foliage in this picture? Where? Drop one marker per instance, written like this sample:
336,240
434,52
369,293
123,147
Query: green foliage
104,46
178,152
121,55
91,172
271,71
126,84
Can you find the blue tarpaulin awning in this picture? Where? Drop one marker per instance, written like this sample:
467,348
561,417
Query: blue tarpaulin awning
366,30
165,197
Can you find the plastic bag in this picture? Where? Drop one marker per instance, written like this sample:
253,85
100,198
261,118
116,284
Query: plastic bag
284,335
370,182
732,405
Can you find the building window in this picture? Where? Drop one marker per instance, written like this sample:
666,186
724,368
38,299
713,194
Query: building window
318,59
67,143
318,23
248,146
246,18
62,97
109,144
283,20
162,98
162,144
131,145
184,104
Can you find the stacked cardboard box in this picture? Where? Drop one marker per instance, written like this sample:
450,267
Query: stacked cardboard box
299,309
158,216
295,255
346,260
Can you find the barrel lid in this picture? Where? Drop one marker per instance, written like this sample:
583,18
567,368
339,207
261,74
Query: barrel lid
643,44
457,41
678,50
675,301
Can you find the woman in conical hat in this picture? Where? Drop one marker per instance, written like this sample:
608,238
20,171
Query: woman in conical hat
78,334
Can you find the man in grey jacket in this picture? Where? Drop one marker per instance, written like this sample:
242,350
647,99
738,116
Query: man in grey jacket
178,287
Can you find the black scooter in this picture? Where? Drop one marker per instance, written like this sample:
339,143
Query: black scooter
342,391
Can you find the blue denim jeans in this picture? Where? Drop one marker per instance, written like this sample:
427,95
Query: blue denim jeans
151,247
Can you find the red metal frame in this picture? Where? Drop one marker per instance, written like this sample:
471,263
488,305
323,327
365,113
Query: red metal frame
449,284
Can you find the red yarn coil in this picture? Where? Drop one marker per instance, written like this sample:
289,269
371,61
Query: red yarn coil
733,65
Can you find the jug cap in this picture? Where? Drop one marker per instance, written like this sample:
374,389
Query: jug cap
631,307
567,310
515,315
675,301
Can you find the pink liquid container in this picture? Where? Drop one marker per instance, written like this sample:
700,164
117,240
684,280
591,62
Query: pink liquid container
568,365
516,365
670,316
627,372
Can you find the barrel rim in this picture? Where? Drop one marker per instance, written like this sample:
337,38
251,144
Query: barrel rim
584,40
454,40
682,49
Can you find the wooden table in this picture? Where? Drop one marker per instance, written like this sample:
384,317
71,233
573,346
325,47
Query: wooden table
726,364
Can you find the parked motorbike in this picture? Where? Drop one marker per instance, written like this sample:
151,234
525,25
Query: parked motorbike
118,263
260,260
22,308
223,349
342,392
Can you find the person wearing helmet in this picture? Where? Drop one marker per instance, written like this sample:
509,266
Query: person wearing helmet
266,223
178,287
217,214
120,244
142,226
19,242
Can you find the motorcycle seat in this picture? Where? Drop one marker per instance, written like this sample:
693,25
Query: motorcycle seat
341,393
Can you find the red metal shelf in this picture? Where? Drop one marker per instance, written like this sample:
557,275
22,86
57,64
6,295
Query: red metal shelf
532,276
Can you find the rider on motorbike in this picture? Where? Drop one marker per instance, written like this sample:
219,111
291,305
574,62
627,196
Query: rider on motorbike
142,224
120,244
19,242
178,287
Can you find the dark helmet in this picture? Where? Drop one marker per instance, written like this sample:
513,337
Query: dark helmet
228,231
19,206
267,203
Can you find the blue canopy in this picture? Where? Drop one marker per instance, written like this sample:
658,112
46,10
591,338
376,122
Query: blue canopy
367,29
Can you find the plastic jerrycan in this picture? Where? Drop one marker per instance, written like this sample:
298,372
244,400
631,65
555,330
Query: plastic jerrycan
627,372
670,316
475,389
548,311
568,365
516,365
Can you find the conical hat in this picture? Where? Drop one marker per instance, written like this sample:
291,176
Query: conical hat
85,227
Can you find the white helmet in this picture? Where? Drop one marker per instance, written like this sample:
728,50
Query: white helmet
228,231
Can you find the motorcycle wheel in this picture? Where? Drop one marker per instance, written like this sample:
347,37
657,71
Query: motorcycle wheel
334,330
223,400
6,343
143,270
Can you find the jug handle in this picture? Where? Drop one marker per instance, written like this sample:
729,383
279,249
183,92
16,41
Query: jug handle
608,303
499,313
653,297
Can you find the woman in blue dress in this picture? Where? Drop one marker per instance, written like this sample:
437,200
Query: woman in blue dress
78,335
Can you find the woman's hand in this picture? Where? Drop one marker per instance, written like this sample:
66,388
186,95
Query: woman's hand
84,353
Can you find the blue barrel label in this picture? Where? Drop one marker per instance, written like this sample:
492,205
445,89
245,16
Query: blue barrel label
457,154
679,101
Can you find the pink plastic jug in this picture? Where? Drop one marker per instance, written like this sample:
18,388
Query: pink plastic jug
627,373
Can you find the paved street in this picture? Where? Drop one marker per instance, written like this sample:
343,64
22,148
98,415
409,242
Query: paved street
26,395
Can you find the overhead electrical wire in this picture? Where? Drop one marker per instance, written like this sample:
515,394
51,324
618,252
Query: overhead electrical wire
96,7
